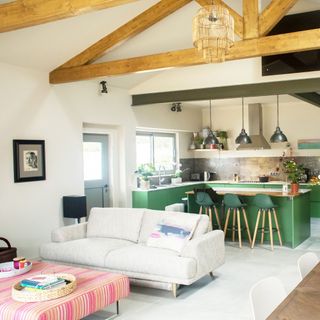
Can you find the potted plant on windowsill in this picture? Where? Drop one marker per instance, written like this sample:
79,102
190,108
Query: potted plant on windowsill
145,171
294,173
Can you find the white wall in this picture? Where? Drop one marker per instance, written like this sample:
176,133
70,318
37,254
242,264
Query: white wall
32,109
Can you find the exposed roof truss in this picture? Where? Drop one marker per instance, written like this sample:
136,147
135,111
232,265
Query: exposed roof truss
252,29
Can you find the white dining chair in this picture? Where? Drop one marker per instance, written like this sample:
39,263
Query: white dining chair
306,263
265,296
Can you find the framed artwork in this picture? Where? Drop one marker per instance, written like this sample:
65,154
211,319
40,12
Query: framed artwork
29,160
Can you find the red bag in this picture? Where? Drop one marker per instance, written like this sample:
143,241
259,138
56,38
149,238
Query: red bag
7,253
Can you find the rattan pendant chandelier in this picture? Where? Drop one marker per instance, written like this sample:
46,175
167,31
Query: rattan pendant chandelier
213,32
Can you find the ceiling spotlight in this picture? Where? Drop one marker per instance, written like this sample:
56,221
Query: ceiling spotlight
176,107
104,88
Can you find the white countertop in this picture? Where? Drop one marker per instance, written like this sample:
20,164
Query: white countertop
194,183
272,190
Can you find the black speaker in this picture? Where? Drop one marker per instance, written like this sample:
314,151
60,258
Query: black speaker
74,207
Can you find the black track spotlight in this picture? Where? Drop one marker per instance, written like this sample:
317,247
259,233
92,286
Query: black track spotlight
104,88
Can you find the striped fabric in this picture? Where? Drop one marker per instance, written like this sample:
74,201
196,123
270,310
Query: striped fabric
95,290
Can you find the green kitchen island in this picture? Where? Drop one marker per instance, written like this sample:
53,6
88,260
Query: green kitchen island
293,210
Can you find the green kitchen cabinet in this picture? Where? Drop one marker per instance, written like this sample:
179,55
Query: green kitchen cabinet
158,199
314,199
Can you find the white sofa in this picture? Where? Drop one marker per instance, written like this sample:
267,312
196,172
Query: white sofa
115,240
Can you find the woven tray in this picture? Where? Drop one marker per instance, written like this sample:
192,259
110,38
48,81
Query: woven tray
23,295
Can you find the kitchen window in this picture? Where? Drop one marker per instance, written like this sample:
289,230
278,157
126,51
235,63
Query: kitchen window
158,149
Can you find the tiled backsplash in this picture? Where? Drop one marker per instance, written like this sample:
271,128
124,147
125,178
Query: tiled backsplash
246,168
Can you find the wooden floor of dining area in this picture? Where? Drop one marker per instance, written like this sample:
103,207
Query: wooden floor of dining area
303,303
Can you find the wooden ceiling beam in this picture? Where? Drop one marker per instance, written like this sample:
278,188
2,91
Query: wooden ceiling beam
273,13
250,11
238,20
26,13
271,45
119,67
138,24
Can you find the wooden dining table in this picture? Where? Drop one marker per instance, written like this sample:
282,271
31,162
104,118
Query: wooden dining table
303,303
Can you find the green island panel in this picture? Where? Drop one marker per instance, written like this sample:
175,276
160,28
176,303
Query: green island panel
293,218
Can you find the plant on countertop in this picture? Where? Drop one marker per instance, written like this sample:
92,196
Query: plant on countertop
145,171
222,134
293,170
178,172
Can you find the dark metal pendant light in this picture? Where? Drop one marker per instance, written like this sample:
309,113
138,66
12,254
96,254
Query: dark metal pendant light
211,138
278,135
243,137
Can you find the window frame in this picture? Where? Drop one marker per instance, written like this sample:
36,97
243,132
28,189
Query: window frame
154,134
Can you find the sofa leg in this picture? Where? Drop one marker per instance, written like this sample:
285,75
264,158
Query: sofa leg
211,275
174,289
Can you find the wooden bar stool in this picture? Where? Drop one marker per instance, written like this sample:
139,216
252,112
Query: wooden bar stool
266,206
205,201
232,202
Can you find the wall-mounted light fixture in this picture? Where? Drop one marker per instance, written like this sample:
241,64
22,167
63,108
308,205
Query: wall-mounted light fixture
103,87
176,107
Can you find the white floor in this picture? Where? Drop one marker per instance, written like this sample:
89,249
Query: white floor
225,297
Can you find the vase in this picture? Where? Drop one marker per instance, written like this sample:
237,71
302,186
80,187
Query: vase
193,141
144,184
294,188
224,143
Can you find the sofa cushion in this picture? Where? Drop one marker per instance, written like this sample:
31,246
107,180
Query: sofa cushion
142,259
203,226
118,223
149,221
152,217
88,251
172,232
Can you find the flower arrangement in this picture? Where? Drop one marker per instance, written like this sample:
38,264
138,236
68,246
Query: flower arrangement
178,172
145,171
293,170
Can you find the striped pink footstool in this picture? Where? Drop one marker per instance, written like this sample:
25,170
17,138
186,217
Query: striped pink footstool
95,290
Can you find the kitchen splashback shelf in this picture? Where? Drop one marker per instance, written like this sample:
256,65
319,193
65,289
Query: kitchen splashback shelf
215,153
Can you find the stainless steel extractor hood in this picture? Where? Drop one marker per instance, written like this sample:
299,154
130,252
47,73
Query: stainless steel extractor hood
255,126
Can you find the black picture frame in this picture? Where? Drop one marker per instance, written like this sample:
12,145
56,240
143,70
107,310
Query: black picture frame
29,160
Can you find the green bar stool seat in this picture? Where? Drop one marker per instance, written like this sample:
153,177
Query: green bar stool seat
205,201
266,206
233,202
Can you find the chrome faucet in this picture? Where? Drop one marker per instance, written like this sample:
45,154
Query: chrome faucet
161,169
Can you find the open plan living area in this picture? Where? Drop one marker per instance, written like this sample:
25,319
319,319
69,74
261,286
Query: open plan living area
161,159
